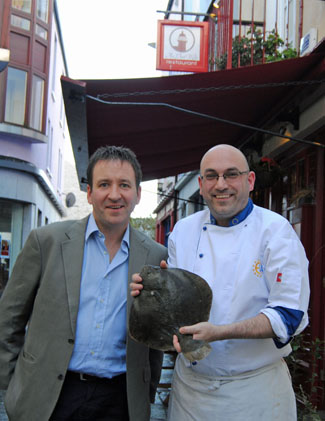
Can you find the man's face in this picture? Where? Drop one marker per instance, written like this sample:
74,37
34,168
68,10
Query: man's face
225,198
113,194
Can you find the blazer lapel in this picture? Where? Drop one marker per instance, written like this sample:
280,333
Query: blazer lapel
138,256
72,252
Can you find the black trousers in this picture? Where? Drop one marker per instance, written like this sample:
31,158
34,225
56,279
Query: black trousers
92,399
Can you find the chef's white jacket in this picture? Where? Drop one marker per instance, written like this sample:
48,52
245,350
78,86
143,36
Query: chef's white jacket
256,266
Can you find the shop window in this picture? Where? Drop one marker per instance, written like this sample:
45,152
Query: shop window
36,114
16,96
166,225
23,5
20,22
42,10
301,174
198,202
5,242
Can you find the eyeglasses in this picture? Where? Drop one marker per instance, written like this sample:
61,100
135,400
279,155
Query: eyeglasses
231,175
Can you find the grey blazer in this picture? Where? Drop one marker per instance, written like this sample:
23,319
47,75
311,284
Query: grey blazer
43,292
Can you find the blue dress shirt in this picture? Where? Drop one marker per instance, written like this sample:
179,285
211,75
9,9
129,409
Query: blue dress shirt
100,343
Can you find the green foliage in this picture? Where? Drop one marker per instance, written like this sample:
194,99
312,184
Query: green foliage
145,225
305,349
246,47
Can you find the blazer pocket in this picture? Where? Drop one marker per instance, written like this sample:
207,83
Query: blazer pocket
28,357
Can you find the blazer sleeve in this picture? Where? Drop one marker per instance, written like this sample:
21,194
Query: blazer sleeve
155,356
155,359
16,305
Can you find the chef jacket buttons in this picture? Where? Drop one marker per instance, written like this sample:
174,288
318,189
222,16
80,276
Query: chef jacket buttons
60,376
71,341
204,228
200,255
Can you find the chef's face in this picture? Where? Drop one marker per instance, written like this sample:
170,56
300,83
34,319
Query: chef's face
225,198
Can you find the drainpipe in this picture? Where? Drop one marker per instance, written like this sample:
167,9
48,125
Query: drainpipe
230,27
301,20
317,281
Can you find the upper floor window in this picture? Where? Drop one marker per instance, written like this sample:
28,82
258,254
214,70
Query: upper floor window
28,72
20,22
36,110
54,75
16,96
41,32
42,10
23,5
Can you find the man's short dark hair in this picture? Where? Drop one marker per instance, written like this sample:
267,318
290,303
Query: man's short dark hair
114,153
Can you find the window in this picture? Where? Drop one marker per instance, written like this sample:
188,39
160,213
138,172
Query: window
36,114
60,172
20,22
5,241
16,96
49,150
42,10
41,32
23,5
166,225
39,218
61,112
54,63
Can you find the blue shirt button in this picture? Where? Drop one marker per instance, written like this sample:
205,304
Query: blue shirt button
200,255
204,228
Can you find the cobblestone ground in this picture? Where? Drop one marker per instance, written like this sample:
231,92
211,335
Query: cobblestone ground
3,416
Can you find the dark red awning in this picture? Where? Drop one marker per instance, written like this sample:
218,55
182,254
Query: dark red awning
167,141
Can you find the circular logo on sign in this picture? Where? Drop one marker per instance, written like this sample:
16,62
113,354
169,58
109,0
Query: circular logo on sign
182,39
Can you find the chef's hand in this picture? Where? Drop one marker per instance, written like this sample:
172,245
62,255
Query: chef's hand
201,331
136,285
176,344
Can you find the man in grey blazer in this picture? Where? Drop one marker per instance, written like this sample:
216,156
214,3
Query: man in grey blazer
64,347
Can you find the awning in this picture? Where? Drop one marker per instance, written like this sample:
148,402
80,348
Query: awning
168,141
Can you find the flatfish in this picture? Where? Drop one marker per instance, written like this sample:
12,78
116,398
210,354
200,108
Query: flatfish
170,298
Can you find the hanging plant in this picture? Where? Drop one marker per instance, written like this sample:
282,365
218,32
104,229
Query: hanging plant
267,171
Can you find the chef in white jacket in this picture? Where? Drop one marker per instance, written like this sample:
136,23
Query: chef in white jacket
258,271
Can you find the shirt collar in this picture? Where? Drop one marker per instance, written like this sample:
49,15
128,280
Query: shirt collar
92,227
237,219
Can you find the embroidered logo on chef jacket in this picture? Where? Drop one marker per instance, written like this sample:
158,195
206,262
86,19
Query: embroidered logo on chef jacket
258,268
279,277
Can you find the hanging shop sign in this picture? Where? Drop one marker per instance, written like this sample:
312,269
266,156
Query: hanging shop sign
182,46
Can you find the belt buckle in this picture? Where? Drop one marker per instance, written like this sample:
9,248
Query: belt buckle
82,377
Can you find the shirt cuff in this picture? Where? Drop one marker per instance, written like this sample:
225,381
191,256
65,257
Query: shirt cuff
278,326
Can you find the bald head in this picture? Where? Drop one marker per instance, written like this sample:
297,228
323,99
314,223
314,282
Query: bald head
227,152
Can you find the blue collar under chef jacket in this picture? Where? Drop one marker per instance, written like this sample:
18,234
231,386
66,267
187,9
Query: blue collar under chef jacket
237,219
100,343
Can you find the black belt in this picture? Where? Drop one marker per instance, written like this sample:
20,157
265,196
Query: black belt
90,378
